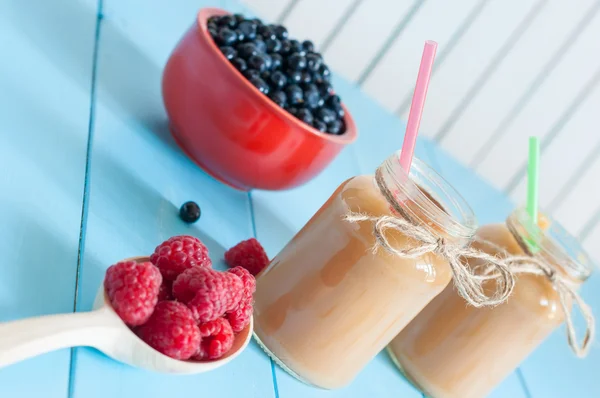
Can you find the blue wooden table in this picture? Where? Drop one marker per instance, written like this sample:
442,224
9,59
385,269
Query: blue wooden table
89,175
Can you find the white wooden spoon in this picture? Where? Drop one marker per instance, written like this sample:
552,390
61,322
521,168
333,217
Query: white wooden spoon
104,330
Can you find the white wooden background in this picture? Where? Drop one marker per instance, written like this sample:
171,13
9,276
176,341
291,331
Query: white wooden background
505,69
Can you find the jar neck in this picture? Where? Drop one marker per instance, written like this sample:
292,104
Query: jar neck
551,244
426,199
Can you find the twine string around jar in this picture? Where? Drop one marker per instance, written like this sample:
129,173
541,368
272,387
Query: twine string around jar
468,284
565,288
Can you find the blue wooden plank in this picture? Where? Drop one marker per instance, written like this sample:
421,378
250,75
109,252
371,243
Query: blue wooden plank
138,180
45,76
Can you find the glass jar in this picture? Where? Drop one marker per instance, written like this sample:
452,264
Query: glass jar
453,350
328,303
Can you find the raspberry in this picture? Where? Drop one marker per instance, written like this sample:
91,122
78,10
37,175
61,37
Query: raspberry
165,291
172,330
133,290
217,339
247,254
240,317
208,293
179,253
247,279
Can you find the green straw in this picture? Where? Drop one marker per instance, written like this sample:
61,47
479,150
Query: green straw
533,176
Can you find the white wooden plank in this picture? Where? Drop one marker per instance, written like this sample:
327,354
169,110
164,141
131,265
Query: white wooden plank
487,35
583,201
314,19
561,159
544,109
267,9
513,77
394,78
362,35
591,243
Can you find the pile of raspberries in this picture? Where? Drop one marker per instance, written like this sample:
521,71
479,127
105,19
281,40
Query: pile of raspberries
179,305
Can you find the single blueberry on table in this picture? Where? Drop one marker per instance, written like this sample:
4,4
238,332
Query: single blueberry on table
190,212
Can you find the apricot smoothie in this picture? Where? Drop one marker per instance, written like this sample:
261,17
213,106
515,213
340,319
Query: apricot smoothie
453,350
327,303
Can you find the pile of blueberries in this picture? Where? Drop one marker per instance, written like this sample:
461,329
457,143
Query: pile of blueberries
290,73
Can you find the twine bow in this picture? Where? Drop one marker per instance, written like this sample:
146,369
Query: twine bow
565,288
468,283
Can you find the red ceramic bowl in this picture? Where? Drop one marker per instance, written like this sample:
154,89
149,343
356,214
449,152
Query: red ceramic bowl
233,131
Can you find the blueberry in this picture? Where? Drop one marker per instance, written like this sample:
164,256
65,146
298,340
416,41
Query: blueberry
296,47
308,46
277,61
260,45
248,28
212,26
305,115
278,97
295,76
273,45
240,35
286,47
251,74
226,37
326,115
268,60
239,18
239,64
260,85
296,61
227,21
313,62
246,50
338,109
267,32
319,125
306,78
228,52
335,127
213,20
257,21
326,89
280,31
189,212
258,62
266,76
213,32
294,94
325,72
291,109
311,98
334,100
278,79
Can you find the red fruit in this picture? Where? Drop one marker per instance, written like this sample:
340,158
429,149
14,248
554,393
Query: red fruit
133,290
172,330
208,293
248,254
164,293
179,253
240,317
217,339
247,279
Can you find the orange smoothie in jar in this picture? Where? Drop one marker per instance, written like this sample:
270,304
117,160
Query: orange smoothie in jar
327,303
453,350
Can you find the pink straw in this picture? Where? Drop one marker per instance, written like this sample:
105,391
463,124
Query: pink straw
417,105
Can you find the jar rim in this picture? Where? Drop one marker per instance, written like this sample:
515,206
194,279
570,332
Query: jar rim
553,244
423,186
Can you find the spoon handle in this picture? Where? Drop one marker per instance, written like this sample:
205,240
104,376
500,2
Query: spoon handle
27,338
